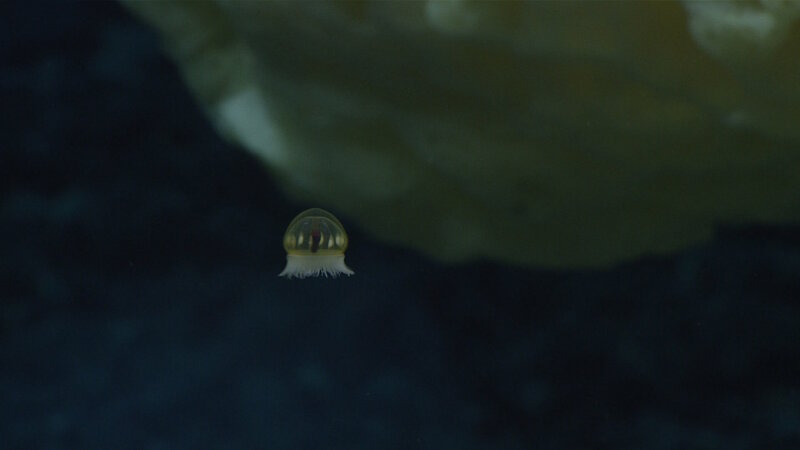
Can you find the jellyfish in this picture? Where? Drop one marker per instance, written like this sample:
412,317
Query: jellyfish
315,242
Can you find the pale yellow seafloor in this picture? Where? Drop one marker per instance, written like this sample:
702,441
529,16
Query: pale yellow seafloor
541,133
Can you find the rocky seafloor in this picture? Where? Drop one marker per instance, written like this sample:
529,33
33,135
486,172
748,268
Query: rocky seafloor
140,307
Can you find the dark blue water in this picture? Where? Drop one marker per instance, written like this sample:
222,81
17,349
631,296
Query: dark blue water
140,307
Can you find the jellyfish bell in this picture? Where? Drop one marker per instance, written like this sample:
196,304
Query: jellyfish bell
315,242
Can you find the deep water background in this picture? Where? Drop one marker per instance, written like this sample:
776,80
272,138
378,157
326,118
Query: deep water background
140,307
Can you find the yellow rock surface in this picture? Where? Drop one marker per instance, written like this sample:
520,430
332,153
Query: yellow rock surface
541,133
